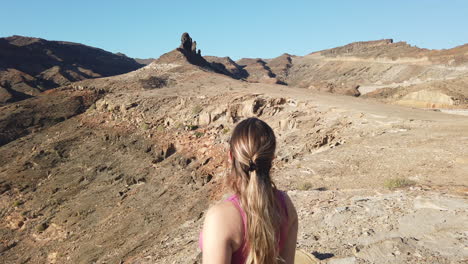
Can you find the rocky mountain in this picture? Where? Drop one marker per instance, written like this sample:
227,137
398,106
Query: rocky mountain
122,169
29,66
390,72
394,72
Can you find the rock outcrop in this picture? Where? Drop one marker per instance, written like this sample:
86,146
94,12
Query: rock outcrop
188,52
188,45
186,42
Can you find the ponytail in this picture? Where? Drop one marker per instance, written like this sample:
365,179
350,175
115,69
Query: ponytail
262,220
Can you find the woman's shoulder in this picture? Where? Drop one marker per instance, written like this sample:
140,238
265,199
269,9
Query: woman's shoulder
225,220
223,210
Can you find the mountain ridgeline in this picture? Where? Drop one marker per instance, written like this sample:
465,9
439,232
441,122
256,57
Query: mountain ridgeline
382,69
29,66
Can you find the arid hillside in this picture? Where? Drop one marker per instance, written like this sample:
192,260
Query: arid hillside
29,66
391,72
122,169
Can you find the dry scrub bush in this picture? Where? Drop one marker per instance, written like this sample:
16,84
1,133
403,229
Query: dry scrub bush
304,186
154,82
398,183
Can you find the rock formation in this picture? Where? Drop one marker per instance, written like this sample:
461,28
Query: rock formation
188,52
186,42
188,45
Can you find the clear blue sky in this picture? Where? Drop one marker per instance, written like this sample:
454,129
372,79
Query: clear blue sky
253,28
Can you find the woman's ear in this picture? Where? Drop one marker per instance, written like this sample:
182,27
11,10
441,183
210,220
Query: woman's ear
230,156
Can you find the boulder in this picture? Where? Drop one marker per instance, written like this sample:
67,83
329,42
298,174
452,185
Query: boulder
204,118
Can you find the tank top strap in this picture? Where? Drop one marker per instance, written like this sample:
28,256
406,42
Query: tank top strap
240,255
235,200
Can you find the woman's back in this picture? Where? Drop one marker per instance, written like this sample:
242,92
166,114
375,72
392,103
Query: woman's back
240,250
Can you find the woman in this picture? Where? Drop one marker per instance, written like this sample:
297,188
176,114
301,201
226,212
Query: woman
258,224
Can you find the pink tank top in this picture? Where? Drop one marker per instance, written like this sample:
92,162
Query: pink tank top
240,255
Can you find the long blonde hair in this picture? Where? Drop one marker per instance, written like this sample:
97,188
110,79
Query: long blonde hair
252,147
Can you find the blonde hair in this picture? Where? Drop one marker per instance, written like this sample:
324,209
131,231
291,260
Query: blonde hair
253,147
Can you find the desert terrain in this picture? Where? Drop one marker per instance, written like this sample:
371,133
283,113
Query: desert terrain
372,149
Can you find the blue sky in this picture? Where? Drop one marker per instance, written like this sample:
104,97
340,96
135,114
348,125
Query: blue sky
239,28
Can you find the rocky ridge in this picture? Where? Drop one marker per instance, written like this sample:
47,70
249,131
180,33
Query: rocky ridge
29,66
384,70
